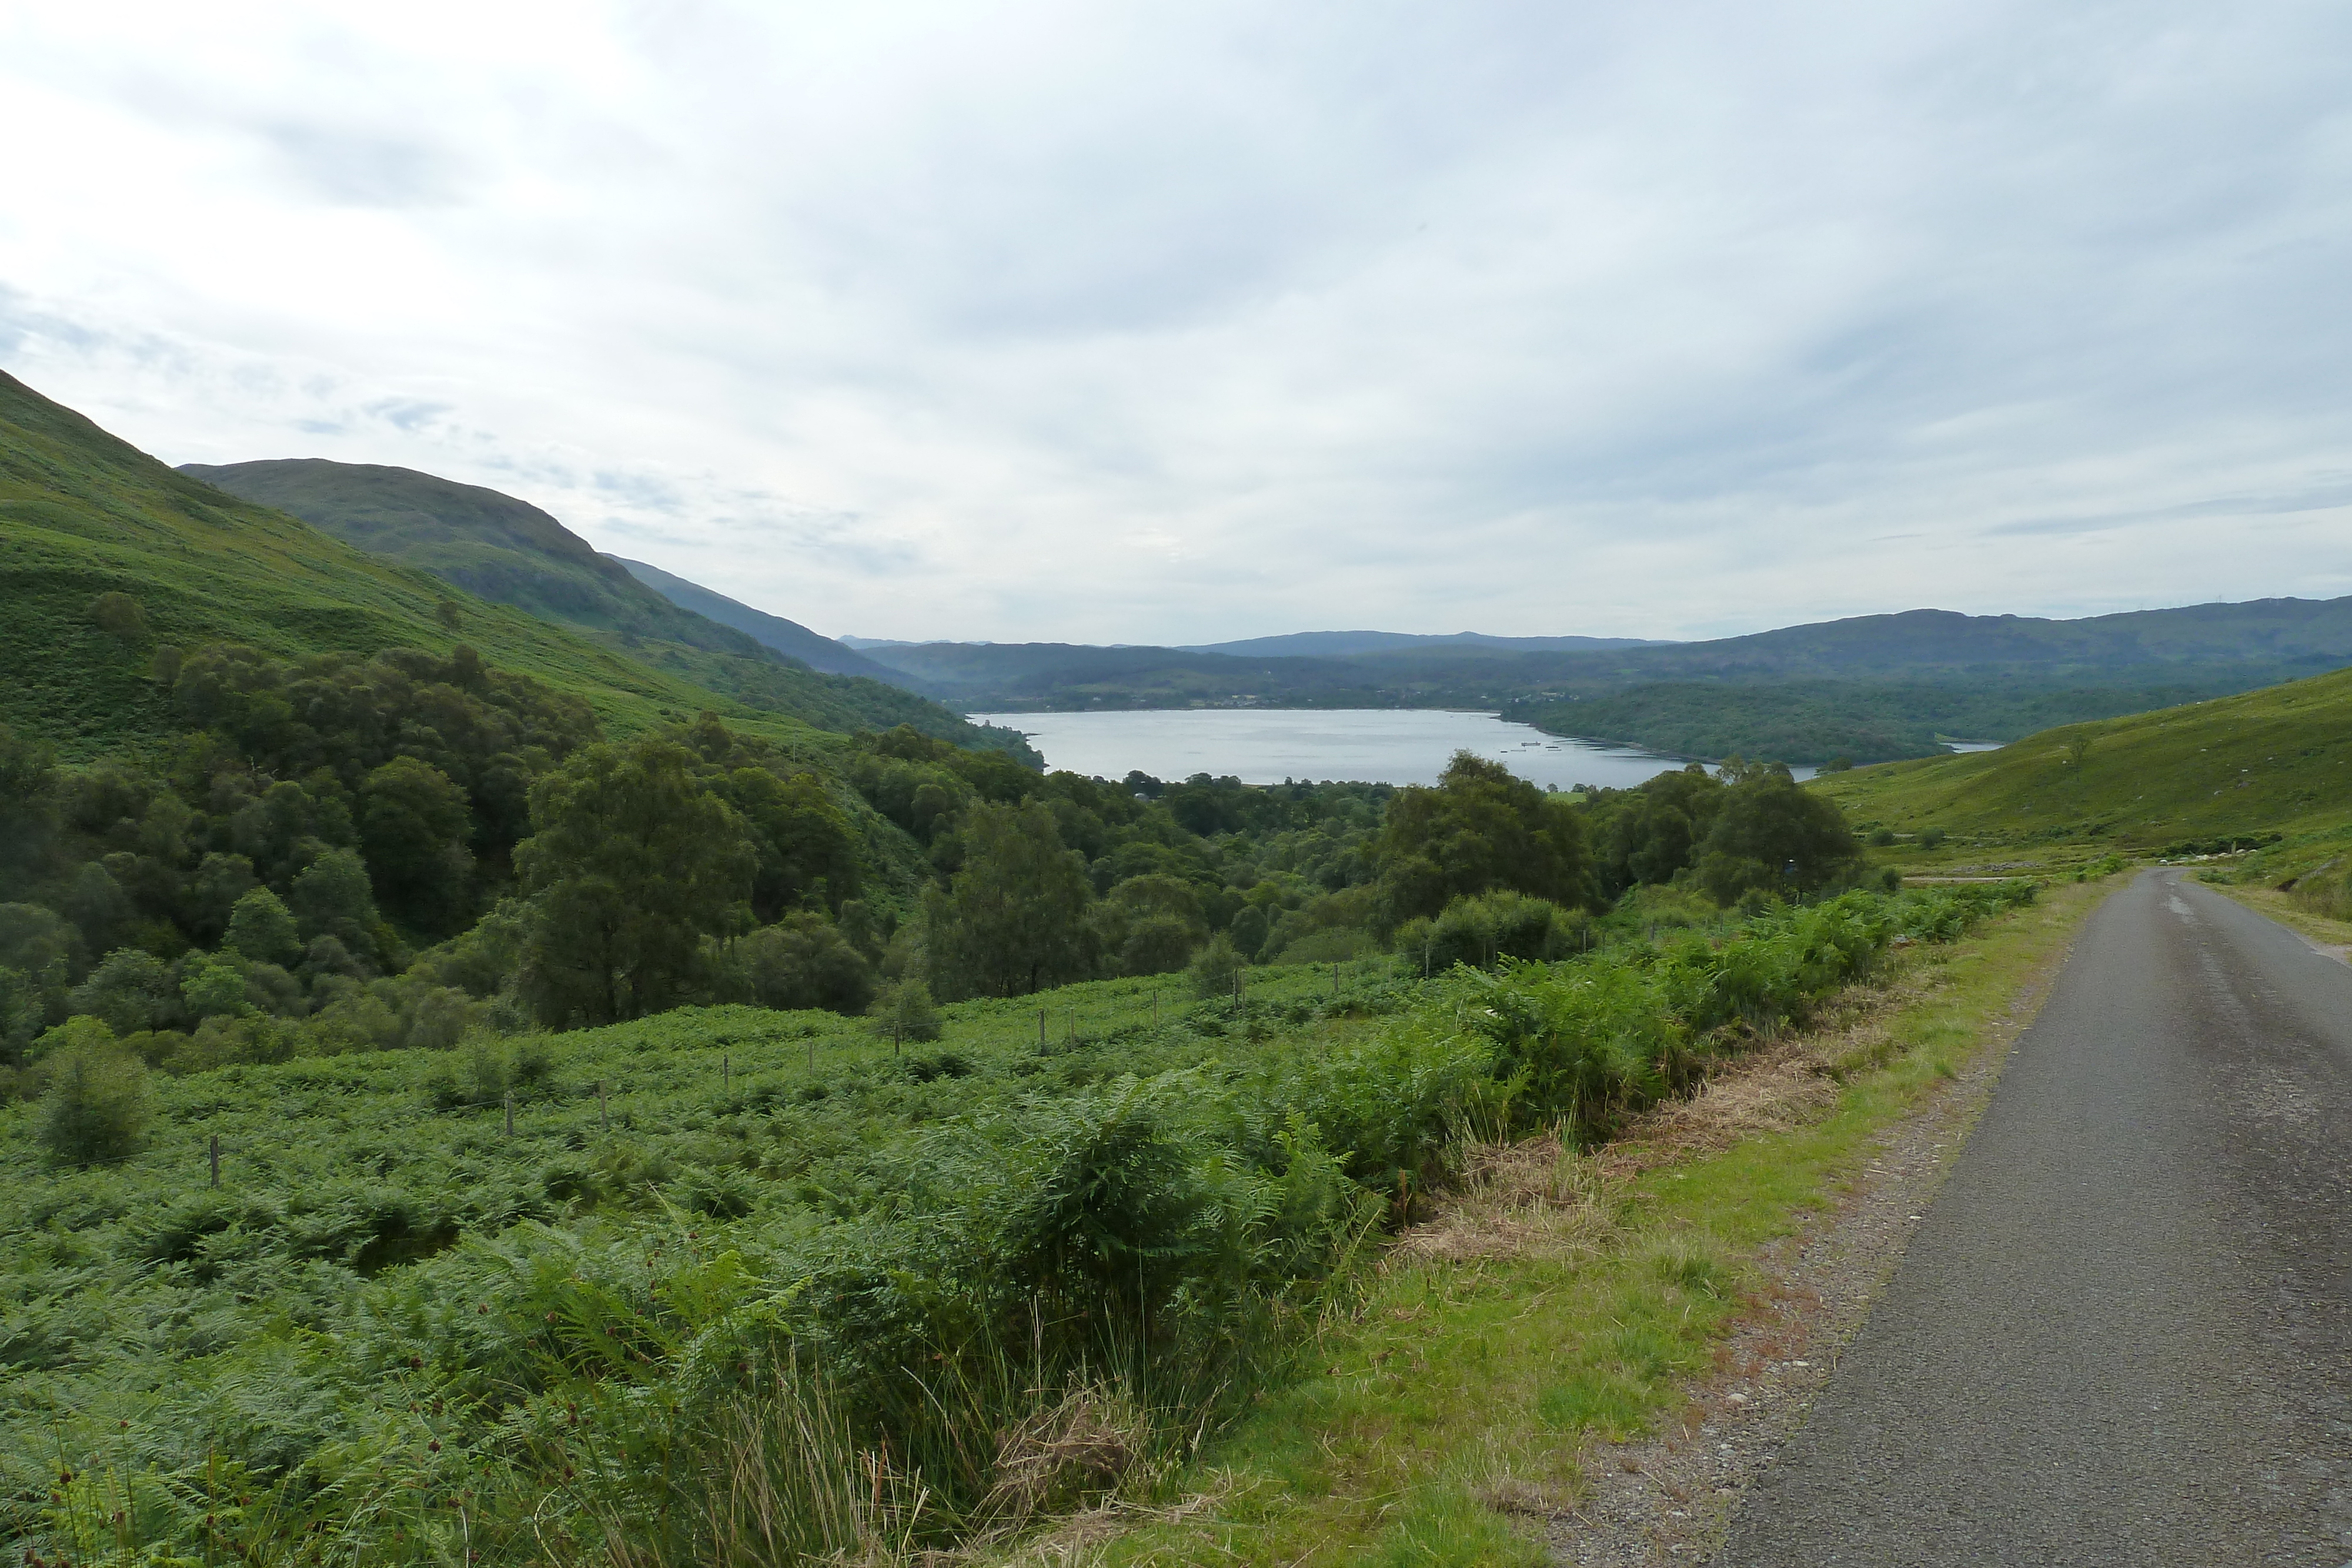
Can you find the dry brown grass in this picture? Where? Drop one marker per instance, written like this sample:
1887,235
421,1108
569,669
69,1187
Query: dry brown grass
1539,1198
1051,1462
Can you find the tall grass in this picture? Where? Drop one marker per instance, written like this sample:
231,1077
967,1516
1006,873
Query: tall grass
1008,1311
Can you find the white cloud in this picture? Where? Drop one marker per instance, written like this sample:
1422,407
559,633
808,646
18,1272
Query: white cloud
1061,321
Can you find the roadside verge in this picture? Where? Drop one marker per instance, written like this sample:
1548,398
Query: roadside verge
1582,1358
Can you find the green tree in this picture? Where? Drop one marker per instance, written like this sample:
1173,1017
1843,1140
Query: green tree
28,794
263,929
414,823
1483,828
632,864
220,881
214,987
38,941
1014,919
130,991
1249,930
1159,945
803,961
97,904
119,615
1214,967
97,1106
807,849
333,897
1773,836
903,1010
22,1010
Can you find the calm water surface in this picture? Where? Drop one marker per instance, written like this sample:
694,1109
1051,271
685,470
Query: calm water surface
1267,746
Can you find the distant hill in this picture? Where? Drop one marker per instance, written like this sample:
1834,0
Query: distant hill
2298,634
1033,677
1870,687
1814,721
2276,761
1346,645
788,637
509,553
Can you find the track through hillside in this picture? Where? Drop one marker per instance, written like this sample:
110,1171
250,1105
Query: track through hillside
2123,1333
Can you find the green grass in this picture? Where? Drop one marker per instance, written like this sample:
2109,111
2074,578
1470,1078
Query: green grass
2278,760
507,551
1435,1422
620,1225
82,513
1814,721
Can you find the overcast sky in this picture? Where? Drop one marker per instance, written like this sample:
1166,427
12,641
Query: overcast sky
1176,323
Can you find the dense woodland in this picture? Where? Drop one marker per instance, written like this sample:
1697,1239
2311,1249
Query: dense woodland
340,855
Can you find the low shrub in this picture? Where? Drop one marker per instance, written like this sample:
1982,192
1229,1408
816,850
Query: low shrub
96,1106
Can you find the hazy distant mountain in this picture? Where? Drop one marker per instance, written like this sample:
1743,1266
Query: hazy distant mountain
1344,644
812,648
1871,686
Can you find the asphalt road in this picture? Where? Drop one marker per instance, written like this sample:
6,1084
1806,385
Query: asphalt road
2122,1331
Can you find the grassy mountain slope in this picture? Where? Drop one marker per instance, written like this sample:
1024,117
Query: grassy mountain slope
2278,639
787,637
2273,761
509,553
83,513
1863,721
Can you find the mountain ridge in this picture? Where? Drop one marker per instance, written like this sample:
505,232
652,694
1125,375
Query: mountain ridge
505,550
789,638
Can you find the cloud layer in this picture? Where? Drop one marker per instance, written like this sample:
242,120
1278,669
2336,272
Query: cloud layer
1130,324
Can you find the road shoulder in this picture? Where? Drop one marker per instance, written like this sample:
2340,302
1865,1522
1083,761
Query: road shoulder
1670,1496
1586,1359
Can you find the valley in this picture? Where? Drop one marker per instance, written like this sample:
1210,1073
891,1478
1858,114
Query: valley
501,1039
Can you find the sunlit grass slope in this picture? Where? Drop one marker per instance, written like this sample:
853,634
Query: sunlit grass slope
2278,760
83,513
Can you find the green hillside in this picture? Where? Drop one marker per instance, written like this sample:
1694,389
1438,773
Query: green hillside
509,553
82,513
2271,762
1863,721
787,637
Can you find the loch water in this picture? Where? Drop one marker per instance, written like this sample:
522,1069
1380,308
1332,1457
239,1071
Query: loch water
1267,746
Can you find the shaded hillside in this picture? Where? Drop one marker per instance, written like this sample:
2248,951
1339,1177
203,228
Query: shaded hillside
510,552
2269,640
82,513
1017,676
1815,721
1870,687
788,637
2273,761
1347,644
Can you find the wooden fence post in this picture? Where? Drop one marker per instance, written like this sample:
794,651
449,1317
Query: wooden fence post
217,1160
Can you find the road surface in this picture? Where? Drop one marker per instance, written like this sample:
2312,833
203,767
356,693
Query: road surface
2123,1332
